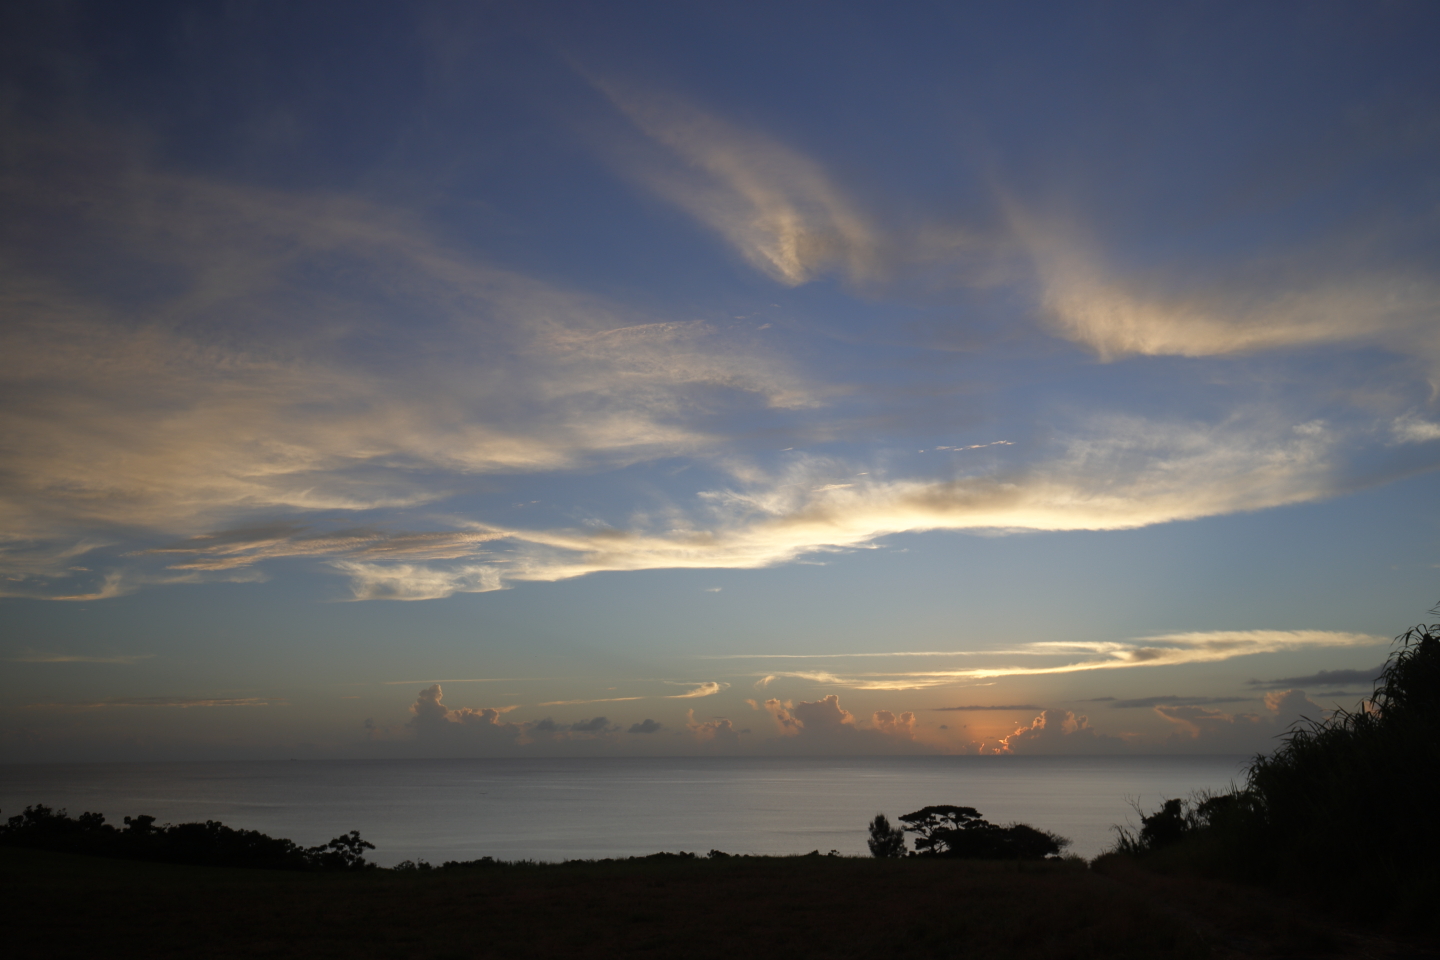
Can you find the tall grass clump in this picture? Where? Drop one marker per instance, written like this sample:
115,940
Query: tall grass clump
1352,795
1344,809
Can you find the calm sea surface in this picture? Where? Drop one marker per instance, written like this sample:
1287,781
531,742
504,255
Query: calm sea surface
582,808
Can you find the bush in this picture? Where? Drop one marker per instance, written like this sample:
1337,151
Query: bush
1342,795
209,844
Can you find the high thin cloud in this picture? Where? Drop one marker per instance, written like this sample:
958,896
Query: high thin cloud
969,709
1150,703
1311,297
706,689
1173,649
780,208
1058,731
203,430
788,218
1122,474
180,702
242,386
1085,656
1324,678
121,658
777,207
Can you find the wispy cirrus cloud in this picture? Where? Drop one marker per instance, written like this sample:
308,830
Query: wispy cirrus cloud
1123,473
781,209
1150,703
1312,295
246,384
978,708
219,451
777,207
1085,656
177,702
704,688
1177,648
42,657
1323,678
707,688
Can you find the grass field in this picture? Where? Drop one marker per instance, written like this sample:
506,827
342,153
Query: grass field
59,905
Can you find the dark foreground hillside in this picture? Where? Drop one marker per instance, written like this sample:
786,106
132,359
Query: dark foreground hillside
61,905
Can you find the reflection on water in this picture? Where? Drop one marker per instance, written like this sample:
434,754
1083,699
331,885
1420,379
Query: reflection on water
578,808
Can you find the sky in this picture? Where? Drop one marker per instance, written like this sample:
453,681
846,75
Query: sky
578,379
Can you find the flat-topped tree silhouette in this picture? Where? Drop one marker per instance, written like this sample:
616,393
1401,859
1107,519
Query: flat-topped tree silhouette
937,826
950,831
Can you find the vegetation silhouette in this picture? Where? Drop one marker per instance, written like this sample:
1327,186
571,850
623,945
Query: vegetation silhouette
962,833
885,841
1348,792
209,844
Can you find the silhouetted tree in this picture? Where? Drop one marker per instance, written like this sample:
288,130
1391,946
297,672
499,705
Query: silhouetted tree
345,852
948,831
935,825
885,840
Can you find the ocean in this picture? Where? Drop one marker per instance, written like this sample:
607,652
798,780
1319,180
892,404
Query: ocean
558,809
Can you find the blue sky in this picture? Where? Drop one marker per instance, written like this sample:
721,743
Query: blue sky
544,378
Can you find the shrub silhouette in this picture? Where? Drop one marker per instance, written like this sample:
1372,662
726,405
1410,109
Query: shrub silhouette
1165,826
1347,791
885,840
209,844
949,831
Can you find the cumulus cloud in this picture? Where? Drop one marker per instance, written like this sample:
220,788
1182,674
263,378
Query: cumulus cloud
785,724
824,725
549,726
714,730
430,719
1198,721
1216,729
823,715
647,726
889,723
1059,731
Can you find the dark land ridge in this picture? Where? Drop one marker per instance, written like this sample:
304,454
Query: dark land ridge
1329,849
